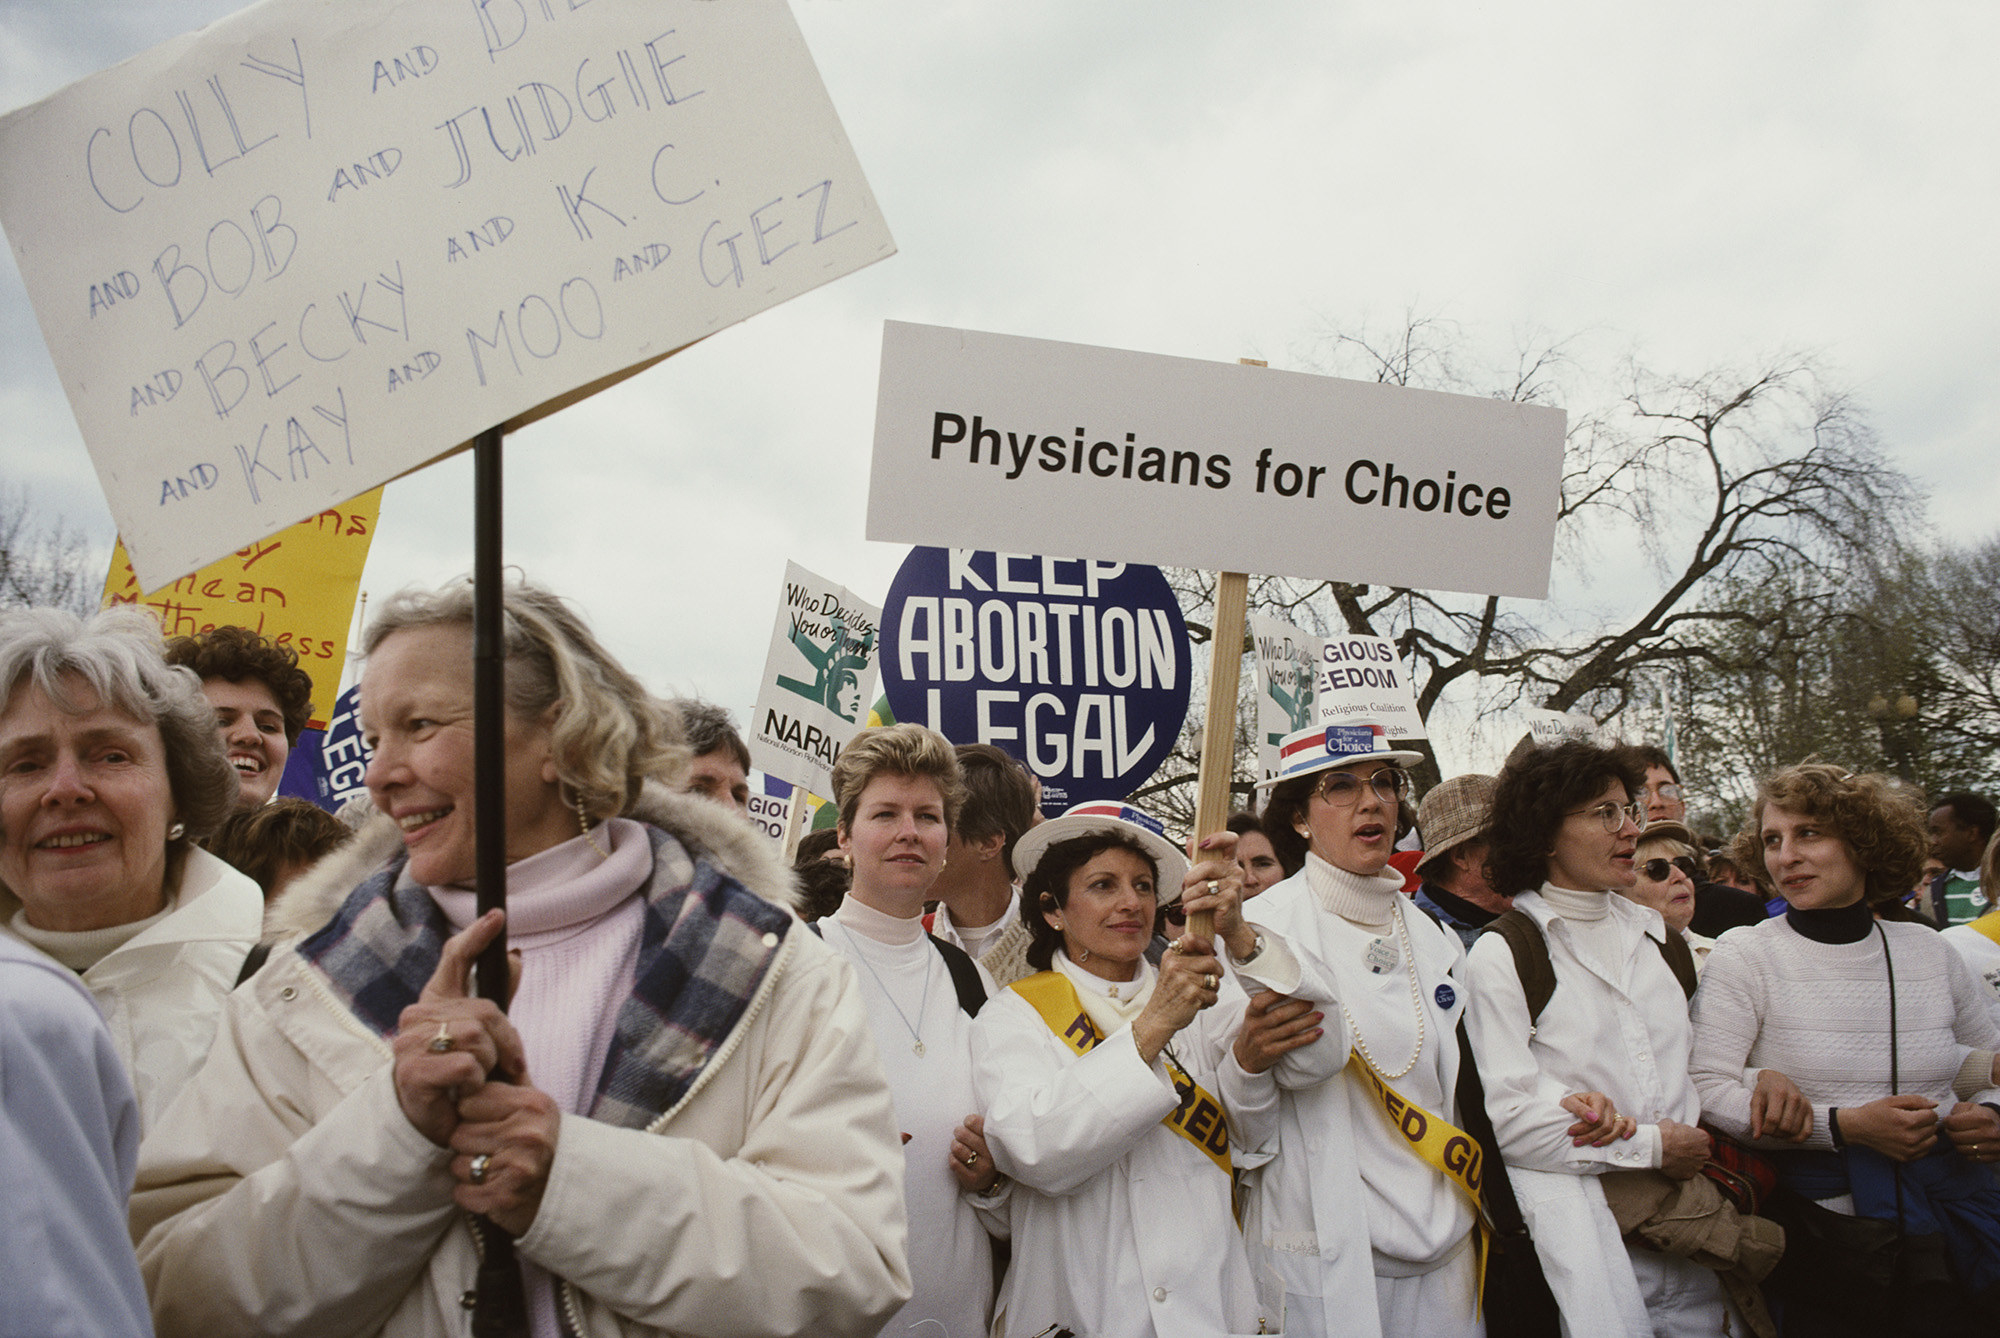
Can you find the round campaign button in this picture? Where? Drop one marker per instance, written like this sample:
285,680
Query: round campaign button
1446,996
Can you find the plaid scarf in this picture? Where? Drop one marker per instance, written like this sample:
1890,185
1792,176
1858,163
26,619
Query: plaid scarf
705,947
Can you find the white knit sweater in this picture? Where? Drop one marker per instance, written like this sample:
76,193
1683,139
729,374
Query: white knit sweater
1771,998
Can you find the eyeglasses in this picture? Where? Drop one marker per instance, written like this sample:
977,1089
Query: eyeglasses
1613,816
1668,790
1659,869
1343,788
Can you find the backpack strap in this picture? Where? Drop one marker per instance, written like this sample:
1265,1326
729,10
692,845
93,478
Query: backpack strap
1531,958
964,975
253,961
1680,960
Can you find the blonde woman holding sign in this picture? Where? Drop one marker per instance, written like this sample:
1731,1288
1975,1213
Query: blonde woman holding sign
1099,1079
1366,1215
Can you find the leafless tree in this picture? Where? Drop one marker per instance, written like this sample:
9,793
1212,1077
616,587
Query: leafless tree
1765,477
43,562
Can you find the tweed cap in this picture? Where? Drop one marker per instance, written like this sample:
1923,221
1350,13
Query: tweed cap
1454,811
1666,829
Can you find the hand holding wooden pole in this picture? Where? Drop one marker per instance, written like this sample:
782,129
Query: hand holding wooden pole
1218,737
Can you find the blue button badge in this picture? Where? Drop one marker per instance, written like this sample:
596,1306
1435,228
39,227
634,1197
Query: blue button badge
1446,996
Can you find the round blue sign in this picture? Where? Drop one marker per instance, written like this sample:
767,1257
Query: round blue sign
1446,996
1077,667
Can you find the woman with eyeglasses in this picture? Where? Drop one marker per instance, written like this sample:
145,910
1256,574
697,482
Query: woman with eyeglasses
1667,873
1365,1233
1878,1089
1564,836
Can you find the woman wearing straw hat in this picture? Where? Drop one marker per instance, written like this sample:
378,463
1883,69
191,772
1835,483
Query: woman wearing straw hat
1098,1078
1363,1217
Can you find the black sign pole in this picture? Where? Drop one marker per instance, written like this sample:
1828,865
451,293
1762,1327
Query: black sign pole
500,1309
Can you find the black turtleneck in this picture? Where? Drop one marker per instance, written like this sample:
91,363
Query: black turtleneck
1836,924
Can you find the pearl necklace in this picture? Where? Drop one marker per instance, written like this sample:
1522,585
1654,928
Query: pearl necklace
1416,1002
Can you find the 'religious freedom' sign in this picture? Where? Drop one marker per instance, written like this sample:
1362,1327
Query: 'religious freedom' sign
1347,679
1078,667
314,246
1070,450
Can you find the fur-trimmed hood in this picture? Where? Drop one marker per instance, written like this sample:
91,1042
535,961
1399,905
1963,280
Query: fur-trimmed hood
724,836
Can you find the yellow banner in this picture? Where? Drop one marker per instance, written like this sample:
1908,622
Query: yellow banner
1199,1118
296,587
1989,925
1449,1150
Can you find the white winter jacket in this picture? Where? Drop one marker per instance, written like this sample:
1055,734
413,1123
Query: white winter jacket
162,991
287,1193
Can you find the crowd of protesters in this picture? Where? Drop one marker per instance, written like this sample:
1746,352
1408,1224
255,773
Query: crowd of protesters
956,1070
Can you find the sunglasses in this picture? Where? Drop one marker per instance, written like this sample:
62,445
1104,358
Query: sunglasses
1659,870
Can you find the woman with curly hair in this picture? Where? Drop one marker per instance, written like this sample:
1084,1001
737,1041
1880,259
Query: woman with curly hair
1875,1051
262,702
1564,832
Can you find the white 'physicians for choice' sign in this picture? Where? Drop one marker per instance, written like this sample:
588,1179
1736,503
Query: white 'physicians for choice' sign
316,245
1029,446
819,676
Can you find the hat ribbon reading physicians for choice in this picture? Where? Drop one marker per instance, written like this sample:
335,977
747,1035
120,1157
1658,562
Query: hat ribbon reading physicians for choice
1106,816
1323,747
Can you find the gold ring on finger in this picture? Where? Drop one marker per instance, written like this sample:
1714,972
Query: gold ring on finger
441,1044
1208,981
477,1172
1211,887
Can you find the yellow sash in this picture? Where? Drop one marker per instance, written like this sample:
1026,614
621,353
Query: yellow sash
1449,1150
1989,925
1199,1117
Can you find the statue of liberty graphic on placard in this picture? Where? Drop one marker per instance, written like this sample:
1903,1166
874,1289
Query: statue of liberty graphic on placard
1296,704
836,683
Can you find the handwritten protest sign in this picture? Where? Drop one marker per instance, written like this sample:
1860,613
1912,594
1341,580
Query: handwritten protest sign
314,246
1548,728
818,678
296,587
1079,668
1027,445
1287,661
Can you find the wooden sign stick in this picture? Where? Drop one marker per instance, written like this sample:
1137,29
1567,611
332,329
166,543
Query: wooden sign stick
1218,735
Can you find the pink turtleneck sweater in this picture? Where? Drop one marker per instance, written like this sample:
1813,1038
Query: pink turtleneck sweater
574,916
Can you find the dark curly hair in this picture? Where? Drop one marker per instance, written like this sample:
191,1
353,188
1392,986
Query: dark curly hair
237,653
1537,789
1047,888
1283,812
1880,820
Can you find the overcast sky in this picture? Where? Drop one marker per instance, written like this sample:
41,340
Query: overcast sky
1704,183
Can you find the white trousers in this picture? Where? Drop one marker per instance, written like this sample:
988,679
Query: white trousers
1437,1304
1683,1299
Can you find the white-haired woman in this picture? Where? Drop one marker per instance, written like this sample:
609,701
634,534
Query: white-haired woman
685,1124
899,791
110,771
1100,1079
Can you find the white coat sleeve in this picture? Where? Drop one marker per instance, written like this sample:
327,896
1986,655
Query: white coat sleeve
1251,1099
801,1230
1054,1119
262,1221
1525,1103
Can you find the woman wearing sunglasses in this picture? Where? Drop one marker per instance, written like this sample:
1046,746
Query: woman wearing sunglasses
1667,873
1366,1234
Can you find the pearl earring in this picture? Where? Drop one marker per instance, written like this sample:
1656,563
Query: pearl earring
177,831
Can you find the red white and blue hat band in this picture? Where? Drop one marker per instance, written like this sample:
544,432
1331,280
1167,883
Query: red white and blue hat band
1106,816
1323,747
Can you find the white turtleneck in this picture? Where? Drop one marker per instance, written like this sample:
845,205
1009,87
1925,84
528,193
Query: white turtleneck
1593,932
910,998
81,949
1355,951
